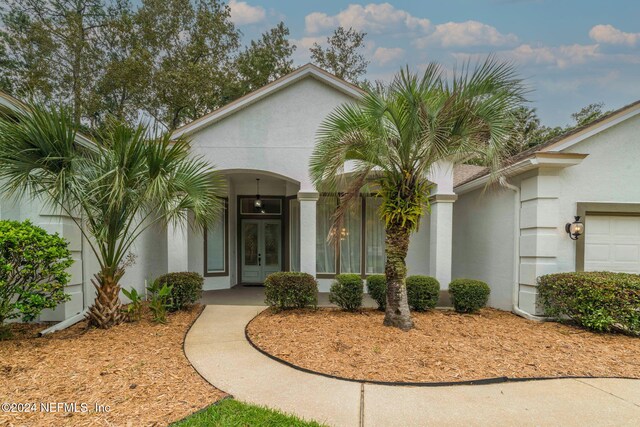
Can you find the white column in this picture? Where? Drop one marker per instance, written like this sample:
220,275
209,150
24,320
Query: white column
441,223
308,200
177,248
441,238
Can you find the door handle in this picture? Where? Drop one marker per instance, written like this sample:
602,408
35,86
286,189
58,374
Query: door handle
259,260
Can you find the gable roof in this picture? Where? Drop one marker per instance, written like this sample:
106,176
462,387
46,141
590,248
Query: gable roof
308,70
567,139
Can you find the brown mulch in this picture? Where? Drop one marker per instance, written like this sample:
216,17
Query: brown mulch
444,346
138,369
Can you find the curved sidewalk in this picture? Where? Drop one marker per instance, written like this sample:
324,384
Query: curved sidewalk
217,348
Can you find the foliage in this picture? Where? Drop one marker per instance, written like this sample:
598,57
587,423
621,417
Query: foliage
264,61
230,412
285,290
601,301
186,288
422,292
468,295
133,310
342,56
377,288
173,59
347,291
394,135
114,189
160,300
33,270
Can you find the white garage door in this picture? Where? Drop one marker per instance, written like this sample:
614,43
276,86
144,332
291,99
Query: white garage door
612,243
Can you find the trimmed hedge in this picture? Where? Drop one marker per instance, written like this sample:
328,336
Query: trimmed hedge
468,295
422,292
285,290
347,291
377,288
601,301
186,289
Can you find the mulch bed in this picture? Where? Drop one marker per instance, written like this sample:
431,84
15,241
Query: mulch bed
138,369
444,346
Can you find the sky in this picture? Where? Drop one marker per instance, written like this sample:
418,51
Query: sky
570,52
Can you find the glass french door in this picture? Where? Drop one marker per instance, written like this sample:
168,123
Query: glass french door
261,249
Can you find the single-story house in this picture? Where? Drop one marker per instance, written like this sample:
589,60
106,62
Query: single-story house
506,235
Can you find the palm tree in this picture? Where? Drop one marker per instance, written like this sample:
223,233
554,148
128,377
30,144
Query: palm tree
113,189
394,134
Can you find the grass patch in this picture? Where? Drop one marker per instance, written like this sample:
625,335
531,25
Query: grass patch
230,412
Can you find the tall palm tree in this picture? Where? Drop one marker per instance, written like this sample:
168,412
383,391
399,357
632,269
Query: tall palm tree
114,189
393,136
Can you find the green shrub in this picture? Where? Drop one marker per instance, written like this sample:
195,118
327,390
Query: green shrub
422,292
285,290
33,270
468,295
347,291
133,310
160,301
186,289
601,301
377,288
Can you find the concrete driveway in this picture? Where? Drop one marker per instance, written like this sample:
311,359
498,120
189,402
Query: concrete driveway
217,348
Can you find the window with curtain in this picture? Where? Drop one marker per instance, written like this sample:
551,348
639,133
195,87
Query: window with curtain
216,244
294,244
351,239
325,250
375,234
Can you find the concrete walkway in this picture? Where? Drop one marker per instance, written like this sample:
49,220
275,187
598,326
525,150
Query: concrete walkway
217,348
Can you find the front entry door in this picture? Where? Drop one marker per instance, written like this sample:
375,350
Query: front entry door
261,249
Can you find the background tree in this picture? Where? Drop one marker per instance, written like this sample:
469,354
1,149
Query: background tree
588,114
113,190
395,134
193,45
264,61
342,56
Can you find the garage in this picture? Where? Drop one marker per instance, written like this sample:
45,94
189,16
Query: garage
612,243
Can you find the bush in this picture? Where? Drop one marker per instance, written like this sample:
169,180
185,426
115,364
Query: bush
287,290
347,291
377,288
468,295
422,292
33,272
133,310
601,301
186,289
160,300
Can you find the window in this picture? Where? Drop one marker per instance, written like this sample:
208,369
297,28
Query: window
375,235
351,239
269,206
216,237
361,246
325,250
294,243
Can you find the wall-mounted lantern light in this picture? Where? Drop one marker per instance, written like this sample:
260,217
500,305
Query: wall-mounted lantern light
575,229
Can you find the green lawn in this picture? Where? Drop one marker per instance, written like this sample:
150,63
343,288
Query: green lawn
230,412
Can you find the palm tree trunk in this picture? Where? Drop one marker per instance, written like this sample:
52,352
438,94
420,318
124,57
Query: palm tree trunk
397,313
106,309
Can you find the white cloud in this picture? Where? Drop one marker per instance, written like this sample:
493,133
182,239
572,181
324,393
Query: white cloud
559,56
373,18
243,13
468,33
385,55
611,35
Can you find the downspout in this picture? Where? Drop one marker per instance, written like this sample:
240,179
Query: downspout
515,293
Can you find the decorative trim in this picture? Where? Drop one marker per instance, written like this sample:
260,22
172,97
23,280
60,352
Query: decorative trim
584,209
226,246
308,196
443,198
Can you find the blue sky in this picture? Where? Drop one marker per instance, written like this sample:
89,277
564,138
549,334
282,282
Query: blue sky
571,52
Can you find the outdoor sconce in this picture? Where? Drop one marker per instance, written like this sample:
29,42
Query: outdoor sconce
575,229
